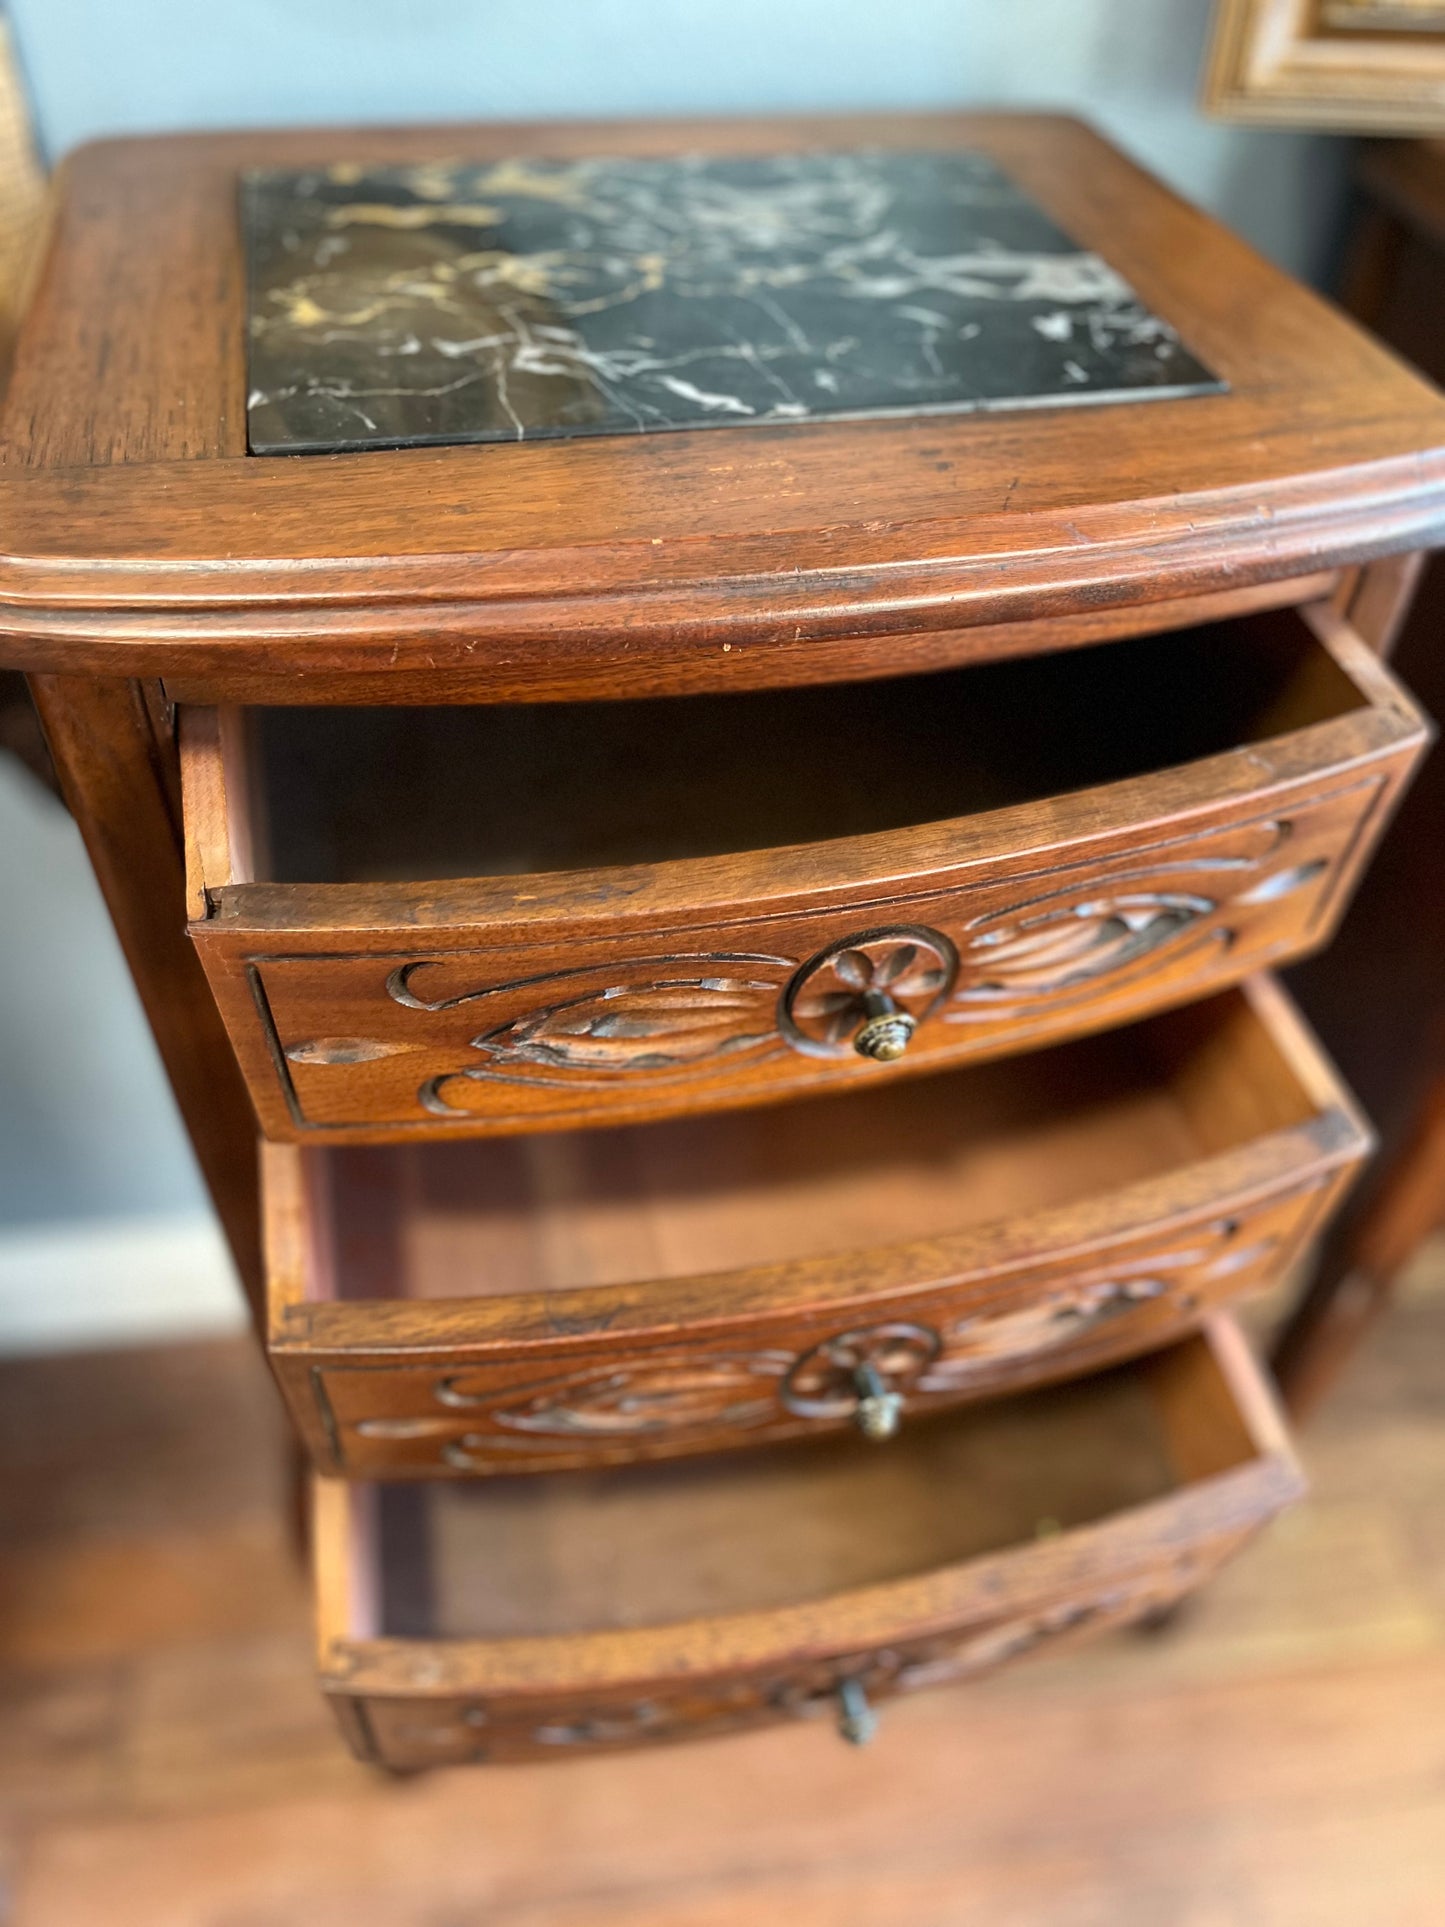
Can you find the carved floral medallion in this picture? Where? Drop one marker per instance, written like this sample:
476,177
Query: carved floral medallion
831,997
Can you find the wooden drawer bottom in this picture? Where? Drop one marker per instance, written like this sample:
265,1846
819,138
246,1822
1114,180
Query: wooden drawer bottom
517,1619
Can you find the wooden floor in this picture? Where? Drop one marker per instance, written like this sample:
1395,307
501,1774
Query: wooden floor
1277,1758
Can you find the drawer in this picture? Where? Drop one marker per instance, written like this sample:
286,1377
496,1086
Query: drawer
592,1298
436,922
516,1619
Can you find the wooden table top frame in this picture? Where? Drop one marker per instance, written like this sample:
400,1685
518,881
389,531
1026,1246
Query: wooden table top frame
142,539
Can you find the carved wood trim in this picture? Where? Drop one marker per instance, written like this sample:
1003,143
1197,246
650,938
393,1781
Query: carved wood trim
705,1389
1040,952
476,1731
522,1696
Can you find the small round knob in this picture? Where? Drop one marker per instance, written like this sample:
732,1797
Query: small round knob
864,1375
857,1722
878,1410
886,1028
868,994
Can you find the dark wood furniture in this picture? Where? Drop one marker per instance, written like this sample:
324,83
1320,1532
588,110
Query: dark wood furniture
736,940
1379,993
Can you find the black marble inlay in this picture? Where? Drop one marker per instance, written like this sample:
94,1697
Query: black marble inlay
456,303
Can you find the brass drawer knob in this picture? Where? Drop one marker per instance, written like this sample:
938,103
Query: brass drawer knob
886,1029
857,1722
878,1410
869,993
863,1375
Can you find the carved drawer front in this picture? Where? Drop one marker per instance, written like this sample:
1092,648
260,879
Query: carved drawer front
491,1623
1152,1175
1152,838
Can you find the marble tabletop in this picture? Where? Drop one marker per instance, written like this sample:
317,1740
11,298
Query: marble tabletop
393,306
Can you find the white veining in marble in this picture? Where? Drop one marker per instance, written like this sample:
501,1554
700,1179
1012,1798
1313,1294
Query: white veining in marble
453,302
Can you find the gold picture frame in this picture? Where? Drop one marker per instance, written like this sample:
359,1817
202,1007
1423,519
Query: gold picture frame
1362,66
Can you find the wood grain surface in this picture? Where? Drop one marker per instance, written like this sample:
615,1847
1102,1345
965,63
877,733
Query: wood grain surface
630,1295
825,1593
478,1003
141,539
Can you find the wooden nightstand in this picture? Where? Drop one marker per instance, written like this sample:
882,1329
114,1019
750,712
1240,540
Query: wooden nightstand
744,942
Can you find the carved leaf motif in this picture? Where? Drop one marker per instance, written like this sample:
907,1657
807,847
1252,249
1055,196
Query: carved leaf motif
1070,943
644,1720
342,1050
1283,883
663,1395
638,1027
1098,926
906,1668
1014,1638
980,1341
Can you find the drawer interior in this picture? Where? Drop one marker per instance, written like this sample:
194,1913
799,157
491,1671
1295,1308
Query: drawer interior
756,1531
362,795
913,1159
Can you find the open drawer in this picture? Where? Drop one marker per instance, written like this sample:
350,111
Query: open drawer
598,1297
525,1620
441,922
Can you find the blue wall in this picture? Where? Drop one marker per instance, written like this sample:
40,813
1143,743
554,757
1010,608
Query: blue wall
102,66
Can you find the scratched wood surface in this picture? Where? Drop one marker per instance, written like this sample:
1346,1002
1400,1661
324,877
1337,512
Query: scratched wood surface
1275,1760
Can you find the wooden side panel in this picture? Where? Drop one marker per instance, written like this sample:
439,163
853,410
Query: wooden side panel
224,815
117,777
1361,1269
1376,600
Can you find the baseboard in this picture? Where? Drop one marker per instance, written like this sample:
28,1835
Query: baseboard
115,1281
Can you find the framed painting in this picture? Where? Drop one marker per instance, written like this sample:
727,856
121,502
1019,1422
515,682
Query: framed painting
1365,66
